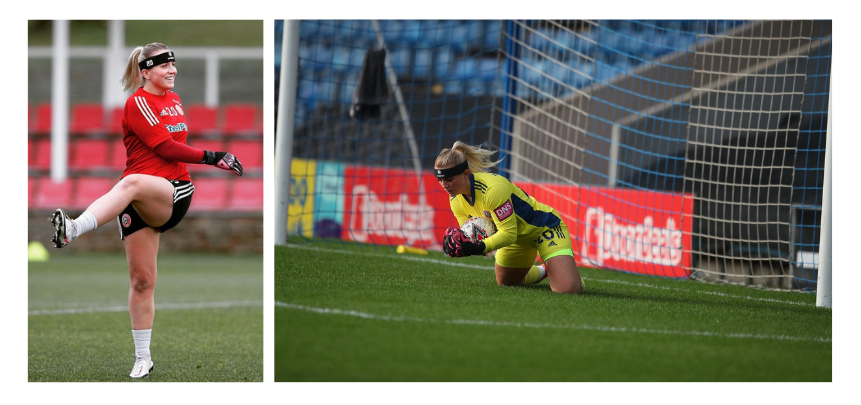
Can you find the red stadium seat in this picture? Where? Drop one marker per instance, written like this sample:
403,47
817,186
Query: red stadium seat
43,119
247,195
240,119
118,155
50,195
88,189
41,158
31,151
30,119
213,145
87,119
86,154
201,120
31,190
249,152
115,122
210,194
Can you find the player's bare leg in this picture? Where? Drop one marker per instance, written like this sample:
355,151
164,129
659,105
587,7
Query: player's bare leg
141,254
151,196
563,275
510,275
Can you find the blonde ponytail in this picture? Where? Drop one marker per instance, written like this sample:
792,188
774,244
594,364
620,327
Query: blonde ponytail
478,159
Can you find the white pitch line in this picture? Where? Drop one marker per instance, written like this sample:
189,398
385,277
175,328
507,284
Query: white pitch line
478,322
590,279
415,259
125,308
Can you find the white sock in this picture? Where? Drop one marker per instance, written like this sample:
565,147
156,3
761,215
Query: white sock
83,224
142,338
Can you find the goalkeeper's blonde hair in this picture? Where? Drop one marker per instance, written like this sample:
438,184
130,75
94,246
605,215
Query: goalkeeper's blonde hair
478,159
132,78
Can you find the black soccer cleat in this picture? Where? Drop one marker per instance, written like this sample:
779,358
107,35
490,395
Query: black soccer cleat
60,220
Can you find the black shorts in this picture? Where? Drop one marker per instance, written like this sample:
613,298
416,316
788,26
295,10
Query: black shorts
130,222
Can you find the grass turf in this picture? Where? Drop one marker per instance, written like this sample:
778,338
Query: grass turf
208,323
354,313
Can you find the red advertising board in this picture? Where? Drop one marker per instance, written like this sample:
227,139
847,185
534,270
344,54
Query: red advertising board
389,207
638,231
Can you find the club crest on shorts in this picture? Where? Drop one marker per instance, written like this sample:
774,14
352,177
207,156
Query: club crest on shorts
127,220
504,211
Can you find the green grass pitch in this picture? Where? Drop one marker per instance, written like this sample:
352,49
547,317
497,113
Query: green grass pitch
346,312
208,320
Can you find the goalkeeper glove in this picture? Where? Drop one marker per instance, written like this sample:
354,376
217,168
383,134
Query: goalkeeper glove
456,244
222,160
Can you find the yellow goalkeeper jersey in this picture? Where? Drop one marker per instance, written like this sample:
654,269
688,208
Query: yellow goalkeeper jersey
519,218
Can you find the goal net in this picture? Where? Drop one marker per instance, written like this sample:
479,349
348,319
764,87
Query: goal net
675,148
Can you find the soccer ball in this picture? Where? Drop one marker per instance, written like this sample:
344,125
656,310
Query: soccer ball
478,229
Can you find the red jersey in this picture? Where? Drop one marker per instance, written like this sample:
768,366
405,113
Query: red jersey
149,120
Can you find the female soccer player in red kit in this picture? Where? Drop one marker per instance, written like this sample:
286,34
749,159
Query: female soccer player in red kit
155,190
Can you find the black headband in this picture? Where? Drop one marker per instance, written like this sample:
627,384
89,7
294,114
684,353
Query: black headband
451,171
164,57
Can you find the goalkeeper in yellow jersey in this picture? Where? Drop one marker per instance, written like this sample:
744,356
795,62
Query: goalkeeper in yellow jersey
524,226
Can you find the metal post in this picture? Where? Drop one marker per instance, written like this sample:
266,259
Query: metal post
112,92
212,73
60,102
284,132
823,279
509,106
614,155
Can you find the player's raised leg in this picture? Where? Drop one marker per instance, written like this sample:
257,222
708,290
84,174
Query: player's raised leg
152,198
141,252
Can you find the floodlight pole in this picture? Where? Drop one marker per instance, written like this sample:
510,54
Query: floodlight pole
284,132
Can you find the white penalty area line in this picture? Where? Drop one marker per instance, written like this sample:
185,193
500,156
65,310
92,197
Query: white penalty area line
478,322
125,308
589,279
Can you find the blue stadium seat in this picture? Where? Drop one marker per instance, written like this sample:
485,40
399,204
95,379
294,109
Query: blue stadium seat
442,60
487,69
475,31
423,63
400,61
492,30
357,56
412,32
459,37
464,69
340,58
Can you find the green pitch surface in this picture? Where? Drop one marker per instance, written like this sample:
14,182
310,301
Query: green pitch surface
350,313
208,319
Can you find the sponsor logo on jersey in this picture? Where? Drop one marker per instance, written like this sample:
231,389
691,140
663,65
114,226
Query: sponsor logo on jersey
504,211
163,112
176,128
